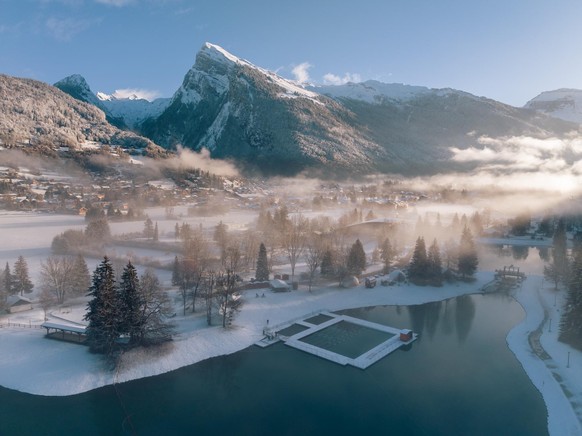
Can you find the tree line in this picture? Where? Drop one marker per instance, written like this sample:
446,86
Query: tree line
133,312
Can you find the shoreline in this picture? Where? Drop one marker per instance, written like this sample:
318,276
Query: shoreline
56,368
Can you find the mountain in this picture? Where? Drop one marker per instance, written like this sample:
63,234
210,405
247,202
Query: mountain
243,112
238,110
420,125
122,112
37,115
565,104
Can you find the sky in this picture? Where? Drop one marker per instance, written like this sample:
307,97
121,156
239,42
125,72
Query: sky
508,50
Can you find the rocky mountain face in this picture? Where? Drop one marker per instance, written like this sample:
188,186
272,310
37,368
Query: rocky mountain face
565,104
121,112
240,111
41,116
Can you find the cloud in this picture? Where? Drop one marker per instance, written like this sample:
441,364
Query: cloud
301,72
66,29
136,93
204,162
522,163
332,79
116,3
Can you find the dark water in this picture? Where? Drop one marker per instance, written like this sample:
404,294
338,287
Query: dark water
458,379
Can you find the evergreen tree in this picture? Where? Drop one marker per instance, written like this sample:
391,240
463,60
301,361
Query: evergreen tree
148,228
8,280
176,272
386,254
356,262
103,310
81,277
418,266
177,231
571,320
327,264
435,271
97,231
3,293
559,251
21,280
156,235
130,304
262,272
467,261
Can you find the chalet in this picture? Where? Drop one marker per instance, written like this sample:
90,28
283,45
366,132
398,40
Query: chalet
16,303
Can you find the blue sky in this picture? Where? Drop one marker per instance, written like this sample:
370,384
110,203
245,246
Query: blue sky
508,50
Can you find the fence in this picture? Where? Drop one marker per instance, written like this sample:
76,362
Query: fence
20,325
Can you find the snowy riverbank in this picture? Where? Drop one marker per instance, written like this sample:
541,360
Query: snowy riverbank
30,363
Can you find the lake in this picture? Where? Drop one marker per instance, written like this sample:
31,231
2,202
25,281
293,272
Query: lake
459,378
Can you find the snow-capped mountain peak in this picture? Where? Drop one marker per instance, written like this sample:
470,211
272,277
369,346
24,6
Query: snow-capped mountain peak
217,55
76,86
372,91
563,103
104,97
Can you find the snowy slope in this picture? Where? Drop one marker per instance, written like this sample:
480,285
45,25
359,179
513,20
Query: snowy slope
565,104
77,87
134,110
372,91
239,110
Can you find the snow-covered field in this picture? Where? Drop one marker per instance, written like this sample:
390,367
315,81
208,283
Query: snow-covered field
30,363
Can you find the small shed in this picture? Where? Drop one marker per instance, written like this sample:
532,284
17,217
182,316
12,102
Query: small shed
16,303
279,286
396,276
405,335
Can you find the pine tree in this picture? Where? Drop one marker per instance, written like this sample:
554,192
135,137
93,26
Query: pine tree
21,280
560,251
356,262
467,261
156,235
435,264
387,253
103,310
130,304
8,280
327,264
81,277
418,266
176,272
148,228
262,272
571,320
3,293
177,231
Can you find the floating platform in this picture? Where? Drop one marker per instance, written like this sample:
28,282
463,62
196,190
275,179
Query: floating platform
340,338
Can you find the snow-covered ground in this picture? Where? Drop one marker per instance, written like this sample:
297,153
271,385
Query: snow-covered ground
33,364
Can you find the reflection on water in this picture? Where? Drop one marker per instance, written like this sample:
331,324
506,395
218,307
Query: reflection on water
459,378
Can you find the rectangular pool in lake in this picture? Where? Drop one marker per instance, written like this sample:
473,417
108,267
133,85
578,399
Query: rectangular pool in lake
346,340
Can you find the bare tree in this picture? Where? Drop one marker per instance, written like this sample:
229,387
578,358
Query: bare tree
197,254
155,309
229,300
226,289
294,240
57,277
314,256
